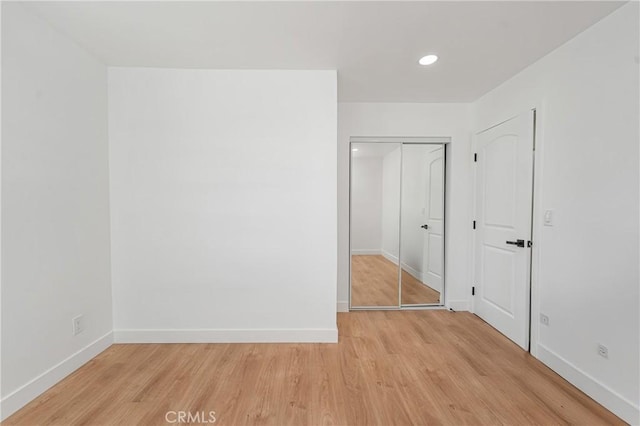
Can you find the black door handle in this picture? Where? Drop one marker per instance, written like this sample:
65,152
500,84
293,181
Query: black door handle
425,226
519,243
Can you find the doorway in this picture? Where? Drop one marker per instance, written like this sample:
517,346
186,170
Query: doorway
504,162
397,223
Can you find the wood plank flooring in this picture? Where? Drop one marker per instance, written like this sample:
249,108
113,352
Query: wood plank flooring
389,368
374,282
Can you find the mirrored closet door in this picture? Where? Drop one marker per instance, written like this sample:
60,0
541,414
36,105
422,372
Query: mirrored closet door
397,224
375,224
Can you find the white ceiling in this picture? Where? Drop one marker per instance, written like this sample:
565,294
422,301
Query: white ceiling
373,45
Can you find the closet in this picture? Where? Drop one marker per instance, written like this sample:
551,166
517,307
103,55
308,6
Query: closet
397,222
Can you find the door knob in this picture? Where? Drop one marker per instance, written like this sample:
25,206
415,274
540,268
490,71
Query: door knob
519,243
425,226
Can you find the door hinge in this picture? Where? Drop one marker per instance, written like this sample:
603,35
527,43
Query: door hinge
473,291
475,157
474,224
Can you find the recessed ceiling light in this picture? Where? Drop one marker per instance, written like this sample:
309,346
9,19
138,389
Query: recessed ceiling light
428,60
354,149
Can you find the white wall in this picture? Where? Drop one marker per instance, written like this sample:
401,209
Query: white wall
366,205
391,204
55,206
223,204
586,277
397,119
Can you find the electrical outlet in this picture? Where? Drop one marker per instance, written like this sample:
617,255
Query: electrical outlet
544,319
603,351
78,325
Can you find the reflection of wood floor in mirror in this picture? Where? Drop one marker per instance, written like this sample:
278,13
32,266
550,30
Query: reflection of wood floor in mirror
374,282
414,292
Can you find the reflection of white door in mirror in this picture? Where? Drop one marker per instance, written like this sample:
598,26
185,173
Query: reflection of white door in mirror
433,253
422,224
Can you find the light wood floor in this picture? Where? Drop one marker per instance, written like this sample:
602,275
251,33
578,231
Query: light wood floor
389,368
374,282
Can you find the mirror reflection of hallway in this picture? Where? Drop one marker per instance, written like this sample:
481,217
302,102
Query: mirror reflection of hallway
397,218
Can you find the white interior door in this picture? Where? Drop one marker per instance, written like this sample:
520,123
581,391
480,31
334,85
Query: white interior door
504,185
433,252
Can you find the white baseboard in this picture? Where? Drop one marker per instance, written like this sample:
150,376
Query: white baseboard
413,272
343,306
302,335
365,252
389,256
31,390
621,407
458,305
418,275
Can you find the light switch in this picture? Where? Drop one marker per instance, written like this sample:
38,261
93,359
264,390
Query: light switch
548,218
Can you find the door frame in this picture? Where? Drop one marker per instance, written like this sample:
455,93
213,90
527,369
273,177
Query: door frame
423,140
536,215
